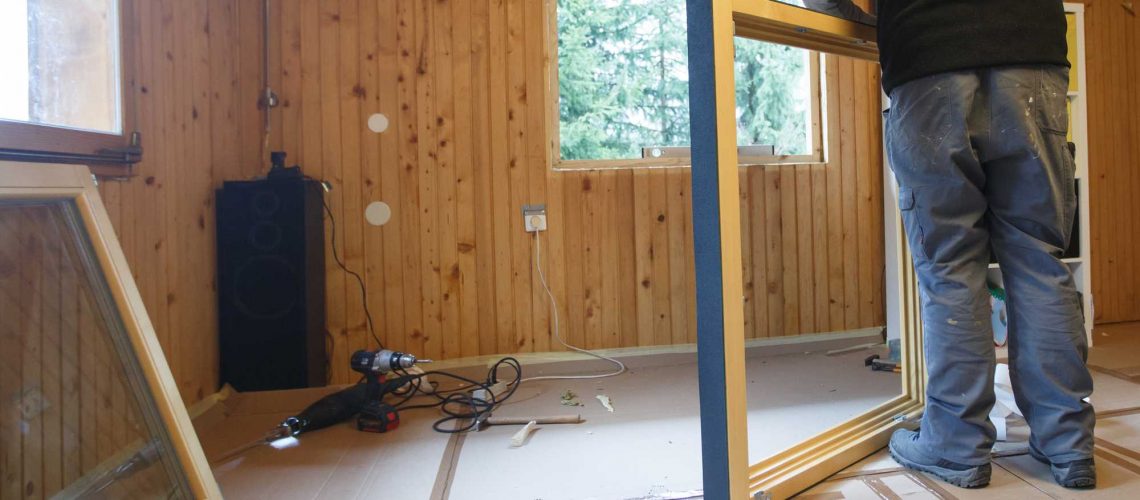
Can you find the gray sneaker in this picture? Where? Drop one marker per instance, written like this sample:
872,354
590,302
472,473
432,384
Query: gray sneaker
1080,474
905,451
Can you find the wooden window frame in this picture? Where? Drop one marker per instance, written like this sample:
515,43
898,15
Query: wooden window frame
60,182
818,155
107,155
728,472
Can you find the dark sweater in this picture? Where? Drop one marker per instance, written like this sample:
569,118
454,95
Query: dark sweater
919,38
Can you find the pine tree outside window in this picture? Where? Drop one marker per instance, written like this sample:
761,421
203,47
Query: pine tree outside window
622,90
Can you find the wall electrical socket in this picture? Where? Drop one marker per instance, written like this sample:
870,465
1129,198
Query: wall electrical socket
534,218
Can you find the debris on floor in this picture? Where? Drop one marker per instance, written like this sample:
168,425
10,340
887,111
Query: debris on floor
519,438
570,399
605,400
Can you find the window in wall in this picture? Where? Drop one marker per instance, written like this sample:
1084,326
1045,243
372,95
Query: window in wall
623,89
62,92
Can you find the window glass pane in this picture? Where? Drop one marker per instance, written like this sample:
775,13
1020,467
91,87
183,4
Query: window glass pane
78,419
773,96
61,63
623,83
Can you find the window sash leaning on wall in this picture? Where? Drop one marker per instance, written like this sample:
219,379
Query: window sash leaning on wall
713,24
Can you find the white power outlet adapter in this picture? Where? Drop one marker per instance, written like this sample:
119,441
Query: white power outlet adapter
534,218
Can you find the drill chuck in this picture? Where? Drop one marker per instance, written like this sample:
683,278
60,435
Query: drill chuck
383,361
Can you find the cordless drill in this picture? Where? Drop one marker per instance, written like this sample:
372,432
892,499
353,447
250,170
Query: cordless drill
376,415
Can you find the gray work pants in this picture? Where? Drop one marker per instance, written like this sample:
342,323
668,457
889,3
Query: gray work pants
982,163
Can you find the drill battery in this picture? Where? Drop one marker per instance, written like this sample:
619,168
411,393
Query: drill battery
377,416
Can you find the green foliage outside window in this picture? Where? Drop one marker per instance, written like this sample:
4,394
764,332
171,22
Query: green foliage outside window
623,82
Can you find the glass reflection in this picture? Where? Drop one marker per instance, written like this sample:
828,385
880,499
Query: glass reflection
817,354
77,414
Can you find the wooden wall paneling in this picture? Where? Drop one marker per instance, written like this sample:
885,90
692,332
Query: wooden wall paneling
643,249
691,271
372,256
391,79
593,221
70,374
608,243
1096,116
332,168
1111,69
31,329
533,115
875,168
10,362
1130,295
848,164
501,206
521,245
88,395
576,188
410,69
464,276
747,216
287,120
1120,189
866,173
486,255
308,97
757,216
455,186
352,95
790,251
836,298
51,383
659,255
679,237
774,248
1131,157
804,231
820,282
253,155
629,273
11,369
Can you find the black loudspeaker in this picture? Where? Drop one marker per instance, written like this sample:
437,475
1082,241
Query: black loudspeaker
271,283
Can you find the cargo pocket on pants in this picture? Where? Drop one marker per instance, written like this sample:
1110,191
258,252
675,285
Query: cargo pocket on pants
915,234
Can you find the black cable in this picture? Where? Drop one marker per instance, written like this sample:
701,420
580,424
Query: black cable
474,409
359,280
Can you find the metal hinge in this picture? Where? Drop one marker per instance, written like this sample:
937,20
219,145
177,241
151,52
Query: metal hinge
132,153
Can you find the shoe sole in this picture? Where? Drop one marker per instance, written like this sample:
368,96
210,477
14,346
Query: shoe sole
1082,482
961,478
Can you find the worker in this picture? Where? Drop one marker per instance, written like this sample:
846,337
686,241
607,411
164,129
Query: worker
976,137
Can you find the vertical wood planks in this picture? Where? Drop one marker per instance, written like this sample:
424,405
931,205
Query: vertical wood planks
464,85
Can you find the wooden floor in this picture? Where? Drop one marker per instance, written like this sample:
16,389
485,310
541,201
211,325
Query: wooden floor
649,448
1115,362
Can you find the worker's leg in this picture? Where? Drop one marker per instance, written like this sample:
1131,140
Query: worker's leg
941,183
1032,203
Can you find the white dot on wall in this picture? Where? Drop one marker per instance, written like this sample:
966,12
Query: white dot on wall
378,122
377,213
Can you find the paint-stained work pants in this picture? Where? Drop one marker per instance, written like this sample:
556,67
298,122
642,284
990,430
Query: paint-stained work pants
982,162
